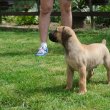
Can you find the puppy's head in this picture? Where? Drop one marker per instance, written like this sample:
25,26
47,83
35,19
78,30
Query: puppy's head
61,34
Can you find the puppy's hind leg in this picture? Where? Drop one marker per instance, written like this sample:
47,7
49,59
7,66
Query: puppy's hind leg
90,74
107,65
108,74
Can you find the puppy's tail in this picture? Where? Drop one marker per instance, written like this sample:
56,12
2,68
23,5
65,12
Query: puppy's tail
104,41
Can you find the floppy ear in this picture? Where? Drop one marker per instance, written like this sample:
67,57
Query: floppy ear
60,29
66,33
65,37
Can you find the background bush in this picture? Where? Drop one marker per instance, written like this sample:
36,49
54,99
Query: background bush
21,20
23,5
26,20
9,19
102,20
57,9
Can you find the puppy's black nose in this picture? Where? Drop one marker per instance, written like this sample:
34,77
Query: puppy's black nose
52,37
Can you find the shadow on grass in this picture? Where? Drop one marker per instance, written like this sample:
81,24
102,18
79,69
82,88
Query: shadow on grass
59,89
53,89
75,88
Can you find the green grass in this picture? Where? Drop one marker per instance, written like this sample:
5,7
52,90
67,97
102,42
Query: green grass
28,82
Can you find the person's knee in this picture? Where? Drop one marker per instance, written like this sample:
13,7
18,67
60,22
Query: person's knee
46,9
66,7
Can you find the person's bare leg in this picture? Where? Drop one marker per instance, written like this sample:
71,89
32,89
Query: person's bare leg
66,13
44,21
44,18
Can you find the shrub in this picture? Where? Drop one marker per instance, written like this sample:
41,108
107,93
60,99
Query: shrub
9,19
23,5
26,20
103,20
21,20
79,6
57,9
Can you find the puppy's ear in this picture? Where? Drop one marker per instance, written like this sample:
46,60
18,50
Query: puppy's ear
63,28
65,36
66,33
60,29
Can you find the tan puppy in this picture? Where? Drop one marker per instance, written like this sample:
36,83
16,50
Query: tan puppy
80,57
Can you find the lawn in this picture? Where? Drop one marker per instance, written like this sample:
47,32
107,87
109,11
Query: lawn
28,82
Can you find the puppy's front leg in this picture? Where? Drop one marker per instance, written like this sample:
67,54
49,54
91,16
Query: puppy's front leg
82,82
70,73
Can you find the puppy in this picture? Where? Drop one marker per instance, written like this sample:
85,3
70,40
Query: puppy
80,57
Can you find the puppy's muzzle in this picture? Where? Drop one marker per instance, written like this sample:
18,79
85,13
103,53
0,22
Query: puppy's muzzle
52,37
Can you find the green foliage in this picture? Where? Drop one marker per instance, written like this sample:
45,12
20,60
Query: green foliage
102,20
57,9
78,5
23,5
26,20
21,20
9,19
56,5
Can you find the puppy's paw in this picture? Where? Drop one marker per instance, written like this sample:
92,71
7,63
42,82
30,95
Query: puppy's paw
68,88
108,82
82,92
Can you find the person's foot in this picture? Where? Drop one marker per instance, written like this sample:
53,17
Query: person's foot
42,51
